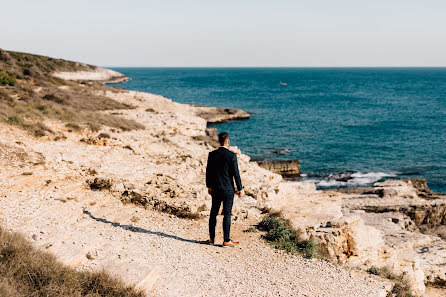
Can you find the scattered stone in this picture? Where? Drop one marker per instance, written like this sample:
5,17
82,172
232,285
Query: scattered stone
100,183
103,136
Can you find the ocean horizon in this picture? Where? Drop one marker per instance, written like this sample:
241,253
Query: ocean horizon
348,126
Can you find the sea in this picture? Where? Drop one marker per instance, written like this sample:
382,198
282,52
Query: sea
347,126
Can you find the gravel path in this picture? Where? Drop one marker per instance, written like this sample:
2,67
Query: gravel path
164,253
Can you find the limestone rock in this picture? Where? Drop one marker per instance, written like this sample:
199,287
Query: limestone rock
97,74
220,115
396,188
286,168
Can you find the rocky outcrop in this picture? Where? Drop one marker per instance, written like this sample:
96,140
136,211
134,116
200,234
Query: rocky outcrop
286,168
97,74
402,196
376,226
214,115
401,210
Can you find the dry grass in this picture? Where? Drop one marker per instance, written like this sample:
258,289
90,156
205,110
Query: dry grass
31,115
69,102
23,65
26,271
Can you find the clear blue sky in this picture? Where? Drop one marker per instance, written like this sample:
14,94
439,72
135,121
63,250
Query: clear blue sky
229,32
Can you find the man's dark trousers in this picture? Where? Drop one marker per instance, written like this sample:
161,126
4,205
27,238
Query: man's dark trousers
217,198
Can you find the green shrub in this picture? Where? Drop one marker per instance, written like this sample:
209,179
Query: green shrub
15,120
282,236
6,79
374,270
271,222
401,286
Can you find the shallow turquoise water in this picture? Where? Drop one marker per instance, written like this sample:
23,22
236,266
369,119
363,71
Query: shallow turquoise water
347,126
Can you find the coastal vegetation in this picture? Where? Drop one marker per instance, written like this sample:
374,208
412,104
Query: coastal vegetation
29,94
26,271
282,236
6,79
401,286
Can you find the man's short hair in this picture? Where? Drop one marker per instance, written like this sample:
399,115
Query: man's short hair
222,137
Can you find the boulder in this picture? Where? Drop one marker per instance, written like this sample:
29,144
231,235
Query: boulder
348,240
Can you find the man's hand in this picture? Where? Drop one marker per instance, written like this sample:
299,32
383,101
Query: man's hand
240,193
209,190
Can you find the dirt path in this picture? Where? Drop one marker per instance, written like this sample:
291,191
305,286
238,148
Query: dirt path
163,254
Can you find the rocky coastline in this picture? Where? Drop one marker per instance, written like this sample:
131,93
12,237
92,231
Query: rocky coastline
73,185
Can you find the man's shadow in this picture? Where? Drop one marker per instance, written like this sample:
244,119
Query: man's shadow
140,230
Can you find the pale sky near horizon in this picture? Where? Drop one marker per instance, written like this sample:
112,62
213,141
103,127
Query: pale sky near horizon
229,33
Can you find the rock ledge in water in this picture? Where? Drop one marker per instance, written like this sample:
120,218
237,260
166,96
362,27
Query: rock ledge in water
286,168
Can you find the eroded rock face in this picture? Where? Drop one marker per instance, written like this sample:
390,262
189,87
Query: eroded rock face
400,209
396,188
376,226
349,241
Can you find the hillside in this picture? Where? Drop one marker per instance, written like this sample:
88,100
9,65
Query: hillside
36,94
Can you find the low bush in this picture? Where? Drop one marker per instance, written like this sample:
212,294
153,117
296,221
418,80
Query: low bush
15,120
6,79
54,98
73,126
37,128
26,271
401,285
281,235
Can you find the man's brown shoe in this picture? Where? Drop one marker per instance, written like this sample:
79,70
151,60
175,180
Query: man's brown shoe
230,243
211,242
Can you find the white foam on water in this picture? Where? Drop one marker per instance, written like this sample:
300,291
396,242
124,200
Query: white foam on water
356,179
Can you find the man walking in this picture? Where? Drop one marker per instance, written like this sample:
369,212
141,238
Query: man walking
221,171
